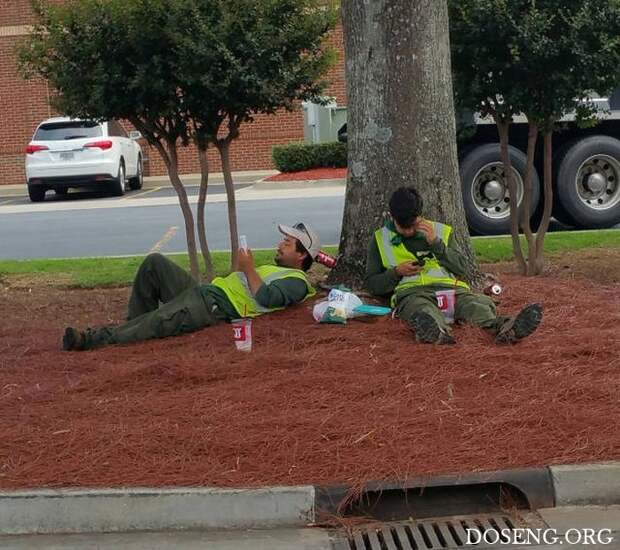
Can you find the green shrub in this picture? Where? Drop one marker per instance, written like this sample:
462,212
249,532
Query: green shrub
305,156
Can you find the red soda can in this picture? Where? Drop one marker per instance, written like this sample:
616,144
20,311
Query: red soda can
326,259
493,289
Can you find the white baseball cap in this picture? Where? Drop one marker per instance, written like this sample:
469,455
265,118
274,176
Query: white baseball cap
308,238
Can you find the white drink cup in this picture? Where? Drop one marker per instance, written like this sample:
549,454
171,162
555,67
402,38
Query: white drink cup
242,334
446,300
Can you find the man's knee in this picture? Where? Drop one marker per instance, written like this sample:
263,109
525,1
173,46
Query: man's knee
476,308
154,258
409,305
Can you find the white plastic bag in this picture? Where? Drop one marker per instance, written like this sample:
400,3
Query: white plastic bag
339,307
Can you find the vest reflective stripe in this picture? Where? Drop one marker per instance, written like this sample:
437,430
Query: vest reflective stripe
432,273
237,289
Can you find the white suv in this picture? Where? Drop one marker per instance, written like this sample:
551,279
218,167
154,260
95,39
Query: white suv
68,153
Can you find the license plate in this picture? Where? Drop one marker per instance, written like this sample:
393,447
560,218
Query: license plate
66,156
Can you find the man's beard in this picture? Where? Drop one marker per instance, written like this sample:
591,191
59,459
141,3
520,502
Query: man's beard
277,260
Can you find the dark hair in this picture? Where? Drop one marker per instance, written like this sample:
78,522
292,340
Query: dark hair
307,263
405,206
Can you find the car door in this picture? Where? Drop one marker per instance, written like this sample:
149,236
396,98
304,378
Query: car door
115,131
132,152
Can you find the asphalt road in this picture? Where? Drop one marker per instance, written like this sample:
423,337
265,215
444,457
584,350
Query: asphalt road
84,224
77,226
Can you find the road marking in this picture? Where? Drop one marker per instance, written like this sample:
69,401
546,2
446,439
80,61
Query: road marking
165,239
141,194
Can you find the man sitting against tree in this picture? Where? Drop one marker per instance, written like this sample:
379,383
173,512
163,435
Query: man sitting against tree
187,306
412,258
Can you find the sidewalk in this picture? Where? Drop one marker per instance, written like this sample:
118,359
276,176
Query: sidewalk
151,182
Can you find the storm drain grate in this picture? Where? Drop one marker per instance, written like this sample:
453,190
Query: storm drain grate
430,534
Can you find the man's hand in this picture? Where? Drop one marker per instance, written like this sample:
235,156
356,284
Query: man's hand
246,260
427,229
408,269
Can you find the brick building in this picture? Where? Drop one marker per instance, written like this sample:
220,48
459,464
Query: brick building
23,104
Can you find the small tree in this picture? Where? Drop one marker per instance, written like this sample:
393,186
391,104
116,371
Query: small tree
543,58
239,58
114,59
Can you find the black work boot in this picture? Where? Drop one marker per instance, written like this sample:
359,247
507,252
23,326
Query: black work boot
520,326
428,331
73,340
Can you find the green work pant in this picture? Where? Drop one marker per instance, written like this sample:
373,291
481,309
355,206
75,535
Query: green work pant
476,309
185,307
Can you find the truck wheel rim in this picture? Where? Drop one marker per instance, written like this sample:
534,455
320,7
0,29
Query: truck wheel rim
489,191
597,182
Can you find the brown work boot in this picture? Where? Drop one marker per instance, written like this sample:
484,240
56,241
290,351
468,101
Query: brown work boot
428,331
73,340
520,326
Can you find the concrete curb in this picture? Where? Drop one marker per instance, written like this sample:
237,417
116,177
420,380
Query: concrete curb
592,484
265,185
143,509
110,510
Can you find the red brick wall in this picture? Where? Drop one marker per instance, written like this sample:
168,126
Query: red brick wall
23,104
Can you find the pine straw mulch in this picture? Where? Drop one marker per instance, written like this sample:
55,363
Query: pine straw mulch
312,403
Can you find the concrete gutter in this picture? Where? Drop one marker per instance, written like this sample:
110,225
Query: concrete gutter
115,510
144,509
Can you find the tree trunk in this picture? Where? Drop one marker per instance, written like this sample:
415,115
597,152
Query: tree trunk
171,161
202,230
401,128
548,197
224,149
532,137
502,129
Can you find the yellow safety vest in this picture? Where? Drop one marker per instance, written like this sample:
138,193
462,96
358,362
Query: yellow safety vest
236,288
432,272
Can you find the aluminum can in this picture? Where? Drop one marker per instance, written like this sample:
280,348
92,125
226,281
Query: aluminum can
326,259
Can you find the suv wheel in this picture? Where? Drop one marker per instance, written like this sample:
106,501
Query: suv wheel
36,193
136,182
119,184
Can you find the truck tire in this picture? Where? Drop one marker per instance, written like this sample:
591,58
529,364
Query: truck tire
485,193
587,185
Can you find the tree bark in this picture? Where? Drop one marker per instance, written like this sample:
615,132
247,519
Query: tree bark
532,137
172,164
223,147
401,124
548,205
202,230
170,158
502,129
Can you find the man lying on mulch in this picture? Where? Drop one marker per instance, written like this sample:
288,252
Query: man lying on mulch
189,306
416,261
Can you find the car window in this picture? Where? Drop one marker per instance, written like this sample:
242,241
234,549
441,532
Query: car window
58,131
116,130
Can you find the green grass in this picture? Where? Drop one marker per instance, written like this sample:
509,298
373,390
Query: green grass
499,249
100,272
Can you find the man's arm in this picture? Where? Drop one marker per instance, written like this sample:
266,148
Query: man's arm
246,266
449,256
378,280
281,293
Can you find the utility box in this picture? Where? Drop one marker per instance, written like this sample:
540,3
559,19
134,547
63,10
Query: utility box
322,122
